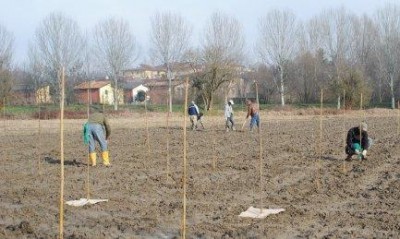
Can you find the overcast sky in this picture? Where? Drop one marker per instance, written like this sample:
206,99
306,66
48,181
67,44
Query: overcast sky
22,17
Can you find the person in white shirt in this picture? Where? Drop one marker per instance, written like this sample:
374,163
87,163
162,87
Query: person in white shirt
229,122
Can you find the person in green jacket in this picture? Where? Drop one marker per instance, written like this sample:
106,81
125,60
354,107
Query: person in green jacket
97,129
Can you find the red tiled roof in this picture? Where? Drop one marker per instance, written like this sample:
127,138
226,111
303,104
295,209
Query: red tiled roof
91,85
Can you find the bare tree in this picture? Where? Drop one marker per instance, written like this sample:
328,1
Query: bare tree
170,35
312,69
307,65
387,20
277,42
6,50
221,55
116,48
338,35
6,47
365,36
57,43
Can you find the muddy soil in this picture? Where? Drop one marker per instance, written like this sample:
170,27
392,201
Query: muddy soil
302,170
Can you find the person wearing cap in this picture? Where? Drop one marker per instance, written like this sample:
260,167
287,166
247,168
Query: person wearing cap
252,111
229,122
97,129
193,112
357,143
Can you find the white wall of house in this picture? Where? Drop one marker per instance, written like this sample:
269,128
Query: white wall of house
107,95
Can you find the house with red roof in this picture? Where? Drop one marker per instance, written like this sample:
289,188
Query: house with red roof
97,92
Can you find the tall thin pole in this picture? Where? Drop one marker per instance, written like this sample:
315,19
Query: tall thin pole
361,107
169,76
61,235
4,113
147,125
88,157
344,99
214,162
320,138
344,167
168,132
257,99
4,121
261,166
184,160
398,117
39,143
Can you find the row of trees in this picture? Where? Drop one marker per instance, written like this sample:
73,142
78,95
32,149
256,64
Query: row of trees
336,51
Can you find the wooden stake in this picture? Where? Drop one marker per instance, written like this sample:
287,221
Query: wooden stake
61,225
88,157
261,166
344,166
344,99
257,99
4,122
214,163
4,113
168,156
147,126
398,117
320,140
39,143
361,107
184,160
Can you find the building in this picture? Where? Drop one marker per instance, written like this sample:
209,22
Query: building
145,72
97,92
158,91
25,94
131,91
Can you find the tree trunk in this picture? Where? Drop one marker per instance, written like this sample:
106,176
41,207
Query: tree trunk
393,104
209,103
115,93
380,90
338,83
282,90
169,75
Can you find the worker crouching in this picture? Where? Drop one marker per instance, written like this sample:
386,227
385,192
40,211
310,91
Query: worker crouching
357,143
97,129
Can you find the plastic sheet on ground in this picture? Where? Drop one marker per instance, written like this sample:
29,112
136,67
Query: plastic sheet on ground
83,201
257,213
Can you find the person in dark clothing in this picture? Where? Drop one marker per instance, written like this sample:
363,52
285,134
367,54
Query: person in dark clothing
193,112
356,143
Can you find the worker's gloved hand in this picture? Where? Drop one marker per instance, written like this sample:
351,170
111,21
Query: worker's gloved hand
364,153
357,151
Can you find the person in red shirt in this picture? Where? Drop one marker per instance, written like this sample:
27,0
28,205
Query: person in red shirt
252,111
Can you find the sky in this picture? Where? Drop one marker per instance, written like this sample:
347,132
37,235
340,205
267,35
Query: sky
22,17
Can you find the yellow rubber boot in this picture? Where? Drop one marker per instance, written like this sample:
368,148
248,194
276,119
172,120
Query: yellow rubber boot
93,158
106,160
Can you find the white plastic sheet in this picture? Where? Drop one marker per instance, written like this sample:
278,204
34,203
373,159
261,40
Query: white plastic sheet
83,201
257,213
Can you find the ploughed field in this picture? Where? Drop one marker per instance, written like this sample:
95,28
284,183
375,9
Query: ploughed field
302,170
